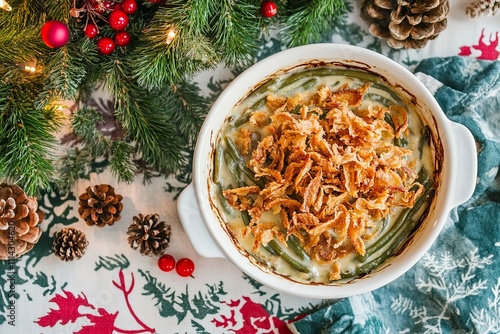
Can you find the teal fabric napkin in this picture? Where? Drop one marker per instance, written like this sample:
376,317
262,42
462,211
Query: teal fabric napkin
455,287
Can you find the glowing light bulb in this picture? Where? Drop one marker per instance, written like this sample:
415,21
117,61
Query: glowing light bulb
30,69
171,33
5,5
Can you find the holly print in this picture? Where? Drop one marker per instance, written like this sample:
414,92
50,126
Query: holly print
71,308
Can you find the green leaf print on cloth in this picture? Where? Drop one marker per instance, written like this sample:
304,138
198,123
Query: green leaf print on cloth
455,287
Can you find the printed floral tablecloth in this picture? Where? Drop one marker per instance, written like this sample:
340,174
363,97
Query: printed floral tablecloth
455,288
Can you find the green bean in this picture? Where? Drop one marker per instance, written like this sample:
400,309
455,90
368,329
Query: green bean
262,88
259,104
399,224
310,83
379,98
225,205
425,135
270,249
234,170
274,248
294,78
217,164
242,119
281,252
294,244
383,87
399,239
401,142
329,71
235,155
388,119
245,217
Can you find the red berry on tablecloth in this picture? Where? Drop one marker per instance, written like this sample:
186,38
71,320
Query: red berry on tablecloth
166,262
91,30
129,6
268,9
118,20
122,38
54,34
184,267
106,45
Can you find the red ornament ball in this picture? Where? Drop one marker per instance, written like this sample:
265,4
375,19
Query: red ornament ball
118,20
54,34
166,262
90,30
122,38
268,9
106,45
184,267
129,6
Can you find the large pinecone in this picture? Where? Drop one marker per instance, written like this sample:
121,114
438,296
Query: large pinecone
19,222
149,234
408,24
69,244
100,206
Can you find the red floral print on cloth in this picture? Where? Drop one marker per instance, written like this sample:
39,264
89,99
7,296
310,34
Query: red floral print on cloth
488,51
253,319
71,308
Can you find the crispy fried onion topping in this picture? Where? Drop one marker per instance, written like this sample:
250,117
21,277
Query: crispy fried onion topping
331,170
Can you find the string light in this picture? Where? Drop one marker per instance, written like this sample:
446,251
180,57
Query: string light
5,5
171,33
29,66
30,69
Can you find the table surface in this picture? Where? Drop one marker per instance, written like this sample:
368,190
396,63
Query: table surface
112,288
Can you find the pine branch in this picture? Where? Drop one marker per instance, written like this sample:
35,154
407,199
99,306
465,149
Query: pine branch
121,163
235,30
65,72
161,59
308,20
27,139
84,122
145,121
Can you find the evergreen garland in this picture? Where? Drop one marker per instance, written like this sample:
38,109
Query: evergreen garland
157,107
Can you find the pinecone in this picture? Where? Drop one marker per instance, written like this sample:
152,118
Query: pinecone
69,243
149,235
100,206
480,8
19,222
408,24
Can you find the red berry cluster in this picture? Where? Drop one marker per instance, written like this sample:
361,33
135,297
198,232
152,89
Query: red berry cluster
184,267
117,18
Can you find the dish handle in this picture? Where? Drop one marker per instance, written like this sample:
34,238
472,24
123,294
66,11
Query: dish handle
464,162
194,226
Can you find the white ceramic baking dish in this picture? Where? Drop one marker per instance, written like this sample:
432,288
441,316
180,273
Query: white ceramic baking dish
456,152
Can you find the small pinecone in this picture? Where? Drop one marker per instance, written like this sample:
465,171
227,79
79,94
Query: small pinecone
20,221
480,8
70,244
408,24
149,234
100,206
